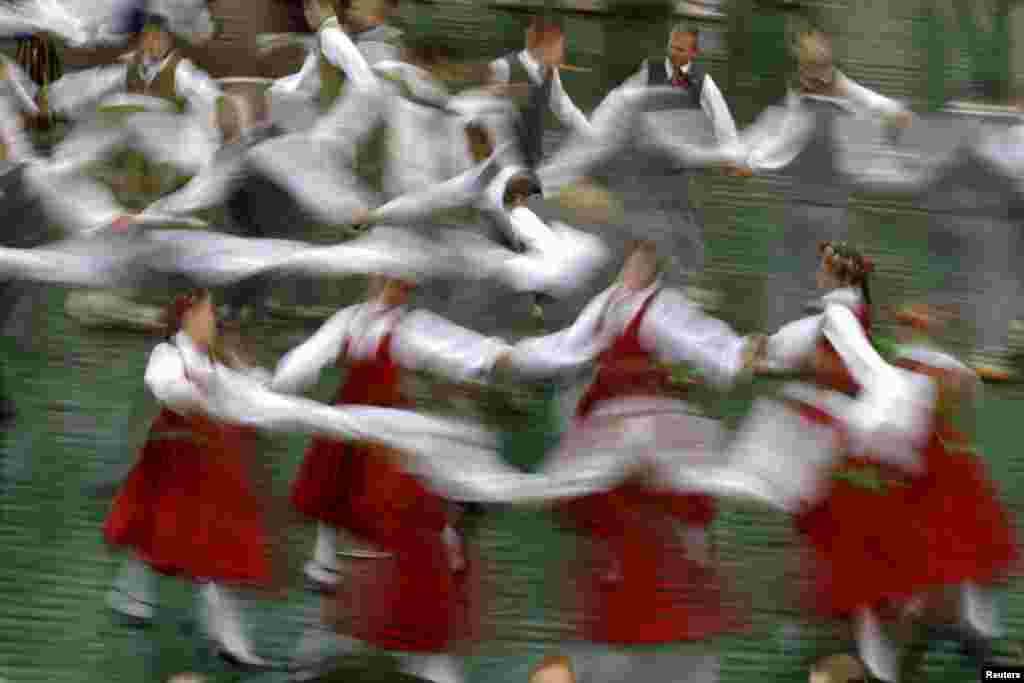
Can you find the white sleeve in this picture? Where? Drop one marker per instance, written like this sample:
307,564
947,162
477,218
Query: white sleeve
714,105
680,333
501,71
207,189
340,51
22,87
425,341
566,352
300,367
165,378
790,347
457,192
864,99
565,109
76,90
775,139
845,333
195,85
352,118
305,80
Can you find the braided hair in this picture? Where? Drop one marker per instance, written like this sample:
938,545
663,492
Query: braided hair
849,265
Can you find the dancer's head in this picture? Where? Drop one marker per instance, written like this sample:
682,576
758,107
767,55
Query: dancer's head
843,266
815,69
682,45
553,669
642,265
519,190
545,40
365,14
317,11
193,314
156,40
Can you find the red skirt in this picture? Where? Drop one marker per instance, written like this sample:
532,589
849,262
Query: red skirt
188,508
865,544
969,533
412,601
631,576
321,491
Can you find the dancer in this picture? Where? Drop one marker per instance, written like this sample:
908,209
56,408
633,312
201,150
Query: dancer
411,598
803,145
969,535
537,67
187,509
844,477
650,576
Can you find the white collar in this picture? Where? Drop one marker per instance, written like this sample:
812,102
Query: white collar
685,68
624,294
329,22
845,296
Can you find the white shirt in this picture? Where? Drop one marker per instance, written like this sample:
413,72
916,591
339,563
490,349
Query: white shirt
338,49
772,143
674,328
711,100
561,105
420,341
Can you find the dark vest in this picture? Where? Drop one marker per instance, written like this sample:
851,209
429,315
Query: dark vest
530,124
656,76
815,171
163,86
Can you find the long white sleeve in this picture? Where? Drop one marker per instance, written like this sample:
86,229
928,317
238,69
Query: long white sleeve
338,49
867,100
842,329
679,332
74,91
460,191
565,109
165,378
207,189
300,367
352,118
22,88
638,80
776,138
195,85
714,105
425,341
566,352
305,80
791,347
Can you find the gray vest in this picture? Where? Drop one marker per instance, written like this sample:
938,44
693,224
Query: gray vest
530,124
657,76
815,171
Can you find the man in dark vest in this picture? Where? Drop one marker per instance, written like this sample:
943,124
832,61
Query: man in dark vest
538,67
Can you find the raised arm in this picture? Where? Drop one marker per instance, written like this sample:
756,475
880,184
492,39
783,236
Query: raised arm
460,191
681,333
207,189
565,109
777,137
714,105
868,100
300,367
340,51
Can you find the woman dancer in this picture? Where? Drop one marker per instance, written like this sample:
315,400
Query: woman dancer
969,535
410,597
187,509
857,519
648,578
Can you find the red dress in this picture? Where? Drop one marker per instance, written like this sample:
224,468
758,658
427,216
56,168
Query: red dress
411,601
634,581
969,534
865,546
187,507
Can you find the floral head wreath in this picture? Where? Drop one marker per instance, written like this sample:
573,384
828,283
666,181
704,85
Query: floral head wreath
845,261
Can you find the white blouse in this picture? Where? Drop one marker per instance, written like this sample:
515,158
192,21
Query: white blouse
674,328
420,341
179,374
